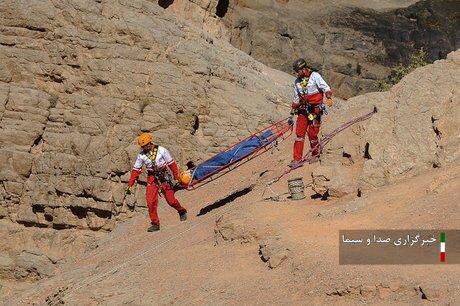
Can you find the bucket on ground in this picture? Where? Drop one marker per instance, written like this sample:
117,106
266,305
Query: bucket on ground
296,188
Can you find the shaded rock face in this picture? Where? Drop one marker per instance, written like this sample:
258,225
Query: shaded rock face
80,80
352,46
209,15
432,25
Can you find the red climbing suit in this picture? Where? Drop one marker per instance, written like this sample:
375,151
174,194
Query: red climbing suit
157,163
308,99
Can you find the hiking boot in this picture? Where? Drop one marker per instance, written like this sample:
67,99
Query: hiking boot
294,164
154,228
315,155
183,216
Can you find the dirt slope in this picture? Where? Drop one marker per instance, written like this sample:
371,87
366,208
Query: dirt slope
189,263
215,258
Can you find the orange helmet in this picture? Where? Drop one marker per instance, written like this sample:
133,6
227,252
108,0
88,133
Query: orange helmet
143,139
185,177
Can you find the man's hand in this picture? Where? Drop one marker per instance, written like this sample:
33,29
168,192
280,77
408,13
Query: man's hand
178,184
129,190
329,102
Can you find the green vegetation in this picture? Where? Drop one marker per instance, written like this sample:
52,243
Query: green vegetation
417,59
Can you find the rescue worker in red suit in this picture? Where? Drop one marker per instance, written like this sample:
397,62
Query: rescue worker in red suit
309,90
157,160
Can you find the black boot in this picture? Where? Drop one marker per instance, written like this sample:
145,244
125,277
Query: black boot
154,228
183,216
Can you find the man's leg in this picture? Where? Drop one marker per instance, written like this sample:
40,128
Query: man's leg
300,130
168,192
312,132
151,195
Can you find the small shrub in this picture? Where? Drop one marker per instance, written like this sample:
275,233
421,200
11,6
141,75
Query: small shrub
416,60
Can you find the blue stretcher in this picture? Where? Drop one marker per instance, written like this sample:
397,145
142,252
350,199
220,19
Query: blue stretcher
236,153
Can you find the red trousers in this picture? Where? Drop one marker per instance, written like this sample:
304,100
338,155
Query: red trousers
151,195
311,128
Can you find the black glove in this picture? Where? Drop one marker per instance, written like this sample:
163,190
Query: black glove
177,187
290,120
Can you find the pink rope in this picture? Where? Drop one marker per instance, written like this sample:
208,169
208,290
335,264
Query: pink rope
324,141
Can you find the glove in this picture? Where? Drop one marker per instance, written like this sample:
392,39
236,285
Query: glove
290,120
178,185
329,102
182,183
128,190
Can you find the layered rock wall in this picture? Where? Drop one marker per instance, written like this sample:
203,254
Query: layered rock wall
81,79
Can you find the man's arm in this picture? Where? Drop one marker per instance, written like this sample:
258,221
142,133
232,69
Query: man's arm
171,164
136,171
324,87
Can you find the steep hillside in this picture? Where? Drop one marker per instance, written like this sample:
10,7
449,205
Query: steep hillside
79,80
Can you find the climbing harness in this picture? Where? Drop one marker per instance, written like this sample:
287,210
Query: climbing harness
304,83
161,176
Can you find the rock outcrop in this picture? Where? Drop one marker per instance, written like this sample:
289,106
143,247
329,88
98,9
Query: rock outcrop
421,120
79,80
415,129
29,254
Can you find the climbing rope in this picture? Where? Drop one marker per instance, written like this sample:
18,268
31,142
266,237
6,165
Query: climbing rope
324,141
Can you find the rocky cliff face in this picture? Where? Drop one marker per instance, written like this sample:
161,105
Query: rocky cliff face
80,80
418,129
431,25
352,42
